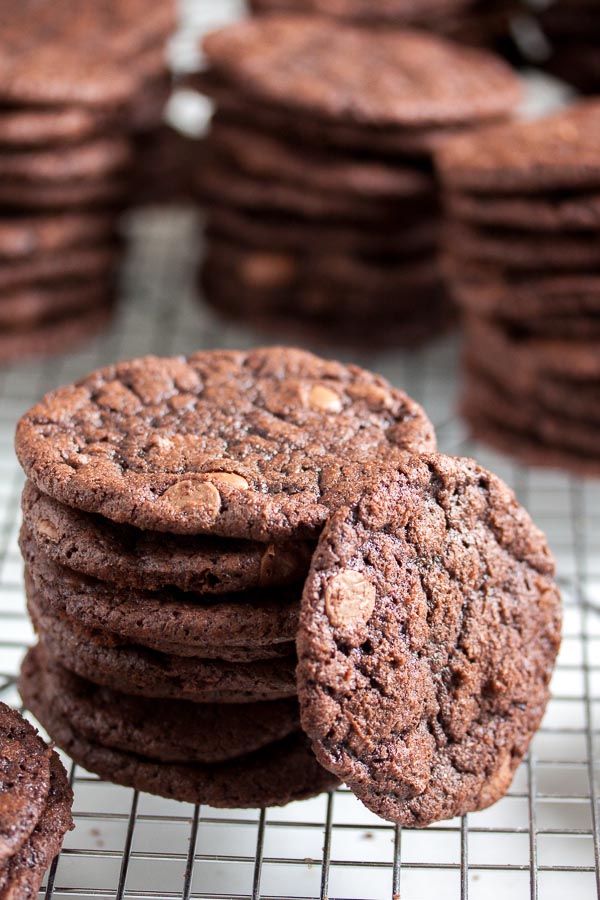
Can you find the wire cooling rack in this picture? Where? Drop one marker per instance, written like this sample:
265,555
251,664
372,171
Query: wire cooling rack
539,843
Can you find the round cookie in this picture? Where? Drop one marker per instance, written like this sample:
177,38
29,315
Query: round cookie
557,152
75,67
397,11
171,731
55,337
27,236
147,673
429,629
104,192
272,776
519,250
24,781
324,69
71,263
34,127
27,308
95,159
150,560
21,876
166,619
281,232
416,143
533,213
251,445
266,157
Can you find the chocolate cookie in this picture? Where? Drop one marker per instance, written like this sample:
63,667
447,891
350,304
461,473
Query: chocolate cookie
21,876
516,250
96,261
272,776
324,69
150,560
416,142
429,630
95,159
38,127
75,67
147,673
266,157
85,193
24,781
278,231
415,12
56,336
557,152
171,731
244,445
193,623
26,236
26,308
546,212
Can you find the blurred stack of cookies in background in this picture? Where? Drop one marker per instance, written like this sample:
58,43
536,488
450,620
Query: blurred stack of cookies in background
478,22
572,28
71,106
322,209
523,258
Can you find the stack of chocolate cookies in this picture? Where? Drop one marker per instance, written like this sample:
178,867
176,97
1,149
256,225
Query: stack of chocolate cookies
322,210
573,30
251,576
35,806
76,85
523,256
479,22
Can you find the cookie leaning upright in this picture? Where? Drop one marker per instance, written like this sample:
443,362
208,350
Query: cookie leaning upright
428,634
70,105
35,806
523,250
322,208
169,522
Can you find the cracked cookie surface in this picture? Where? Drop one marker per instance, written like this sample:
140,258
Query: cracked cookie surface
248,445
429,629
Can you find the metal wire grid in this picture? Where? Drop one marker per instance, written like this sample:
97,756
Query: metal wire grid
541,841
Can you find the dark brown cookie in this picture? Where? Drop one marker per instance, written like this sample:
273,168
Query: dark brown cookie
95,159
87,262
187,624
171,731
524,414
51,54
274,232
528,356
412,142
245,445
57,336
147,673
525,447
217,180
325,70
516,250
38,127
21,196
429,630
21,876
28,308
484,290
25,236
267,157
414,12
24,781
550,212
552,153
150,560
272,776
